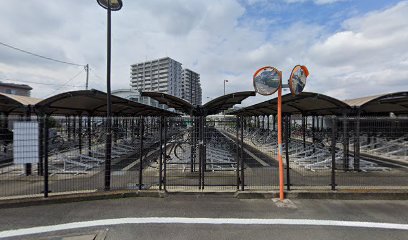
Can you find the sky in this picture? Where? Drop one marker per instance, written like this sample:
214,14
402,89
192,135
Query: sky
352,48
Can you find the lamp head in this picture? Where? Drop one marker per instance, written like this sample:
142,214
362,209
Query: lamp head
115,5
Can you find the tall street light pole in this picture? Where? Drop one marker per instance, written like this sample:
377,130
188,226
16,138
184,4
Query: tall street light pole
109,5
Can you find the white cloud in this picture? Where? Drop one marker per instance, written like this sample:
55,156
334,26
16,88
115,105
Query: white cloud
318,2
368,55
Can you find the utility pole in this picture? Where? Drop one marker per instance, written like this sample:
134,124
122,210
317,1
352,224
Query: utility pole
87,76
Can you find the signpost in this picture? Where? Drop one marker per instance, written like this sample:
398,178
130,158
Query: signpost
267,80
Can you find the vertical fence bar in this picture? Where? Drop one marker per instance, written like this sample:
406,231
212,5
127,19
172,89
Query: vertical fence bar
192,145
45,156
161,154
69,127
345,145
333,153
89,131
357,144
287,123
263,122
108,152
141,129
268,122
80,134
304,131
313,133
237,127
165,155
242,158
74,130
274,123
200,155
204,162
41,146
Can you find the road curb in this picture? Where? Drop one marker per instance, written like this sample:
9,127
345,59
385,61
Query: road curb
340,195
24,202
296,194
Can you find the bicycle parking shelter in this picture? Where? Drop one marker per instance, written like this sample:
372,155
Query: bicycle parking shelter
208,152
153,148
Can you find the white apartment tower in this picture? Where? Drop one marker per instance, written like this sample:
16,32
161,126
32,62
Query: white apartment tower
191,87
167,76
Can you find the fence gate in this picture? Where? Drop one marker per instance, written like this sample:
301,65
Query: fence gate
200,154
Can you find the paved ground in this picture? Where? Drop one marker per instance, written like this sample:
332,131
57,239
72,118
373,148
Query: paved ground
216,207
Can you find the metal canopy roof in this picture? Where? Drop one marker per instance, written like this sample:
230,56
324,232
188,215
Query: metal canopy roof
10,103
93,102
305,103
225,102
171,101
385,103
212,107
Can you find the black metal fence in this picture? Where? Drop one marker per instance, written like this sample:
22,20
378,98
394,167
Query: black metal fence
63,155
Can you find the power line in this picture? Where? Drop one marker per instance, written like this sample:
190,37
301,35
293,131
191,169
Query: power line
64,84
95,74
41,83
40,56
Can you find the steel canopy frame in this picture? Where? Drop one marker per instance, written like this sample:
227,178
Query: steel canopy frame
93,103
214,106
305,103
16,104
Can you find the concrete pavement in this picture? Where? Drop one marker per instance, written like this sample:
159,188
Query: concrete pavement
214,207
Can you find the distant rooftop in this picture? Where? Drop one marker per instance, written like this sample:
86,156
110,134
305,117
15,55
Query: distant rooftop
14,85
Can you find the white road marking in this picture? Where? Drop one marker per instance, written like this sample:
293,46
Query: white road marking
180,220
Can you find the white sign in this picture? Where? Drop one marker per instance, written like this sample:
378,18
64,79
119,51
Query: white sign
25,142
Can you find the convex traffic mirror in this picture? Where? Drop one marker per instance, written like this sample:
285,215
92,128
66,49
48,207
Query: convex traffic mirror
267,80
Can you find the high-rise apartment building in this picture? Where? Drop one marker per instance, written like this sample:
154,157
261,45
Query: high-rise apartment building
167,76
160,75
191,87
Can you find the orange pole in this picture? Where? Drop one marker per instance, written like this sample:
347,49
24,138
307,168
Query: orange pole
281,195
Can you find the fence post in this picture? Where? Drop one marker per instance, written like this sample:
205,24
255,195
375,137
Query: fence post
274,123
80,134
89,130
161,155
165,155
357,143
333,152
287,152
204,167
41,146
345,145
108,152
141,128
69,127
313,133
242,159
45,129
237,127
304,131
200,152
192,145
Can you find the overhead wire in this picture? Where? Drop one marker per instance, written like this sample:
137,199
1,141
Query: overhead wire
41,56
64,84
41,83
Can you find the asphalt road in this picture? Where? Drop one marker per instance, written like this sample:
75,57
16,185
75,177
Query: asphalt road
214,207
